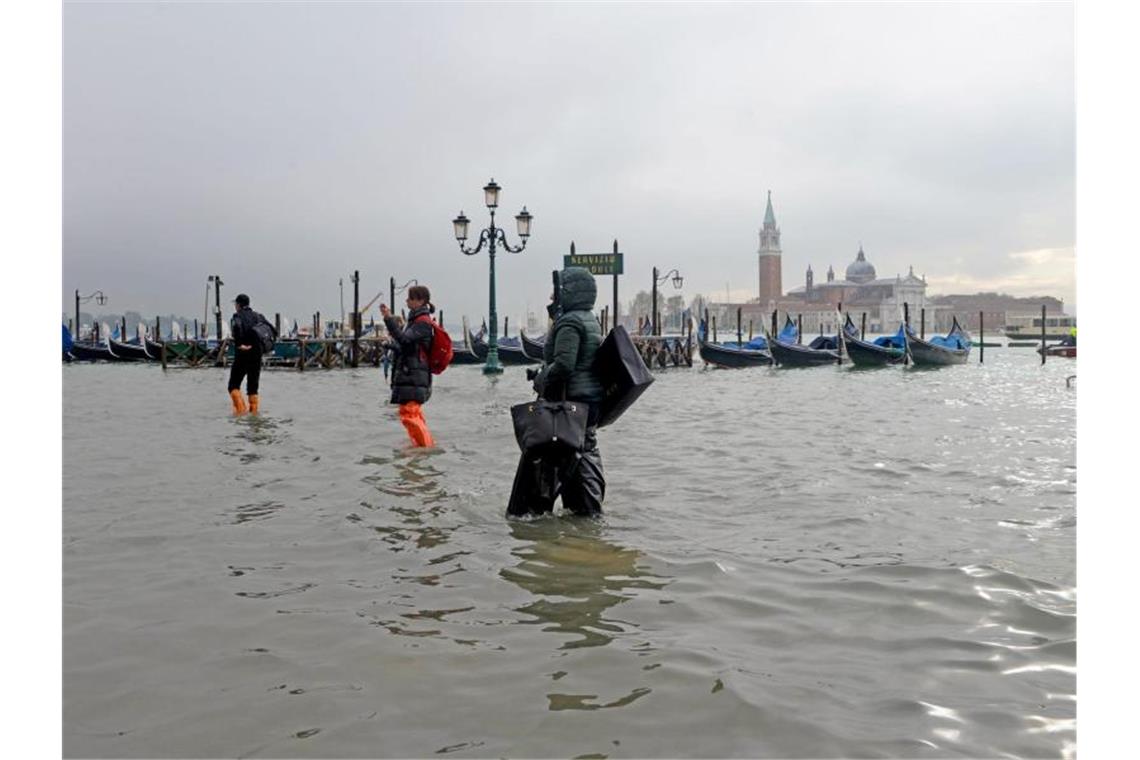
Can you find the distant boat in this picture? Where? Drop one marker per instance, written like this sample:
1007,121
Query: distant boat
1022,326
952,348
888,349
1066,348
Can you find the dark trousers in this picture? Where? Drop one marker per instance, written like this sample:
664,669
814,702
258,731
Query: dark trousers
247,365
575,476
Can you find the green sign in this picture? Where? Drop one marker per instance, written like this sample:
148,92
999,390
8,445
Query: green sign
596,263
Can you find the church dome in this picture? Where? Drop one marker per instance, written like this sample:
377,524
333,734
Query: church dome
860,270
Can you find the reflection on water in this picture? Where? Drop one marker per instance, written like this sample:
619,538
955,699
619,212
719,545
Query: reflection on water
575,575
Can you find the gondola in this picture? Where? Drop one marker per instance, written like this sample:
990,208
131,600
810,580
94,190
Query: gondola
734,357
952,348
464,353
822,350
786,352
531,347
131,351
478,345
511,353
91,352
154,348
888,349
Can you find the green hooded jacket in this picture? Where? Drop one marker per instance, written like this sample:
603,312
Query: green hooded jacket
573,341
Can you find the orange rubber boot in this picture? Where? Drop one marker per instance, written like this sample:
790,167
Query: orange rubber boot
411,414
254,403
239,404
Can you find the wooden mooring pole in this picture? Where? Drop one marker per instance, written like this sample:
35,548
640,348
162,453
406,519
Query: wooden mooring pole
799,328
922,323
739,341
982,337
1042,335
863,328
356,321
714,328
773,323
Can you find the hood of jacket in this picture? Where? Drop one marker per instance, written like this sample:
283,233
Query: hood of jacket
579,290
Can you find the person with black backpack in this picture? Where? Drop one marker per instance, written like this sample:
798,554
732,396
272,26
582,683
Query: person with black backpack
423,349
253,336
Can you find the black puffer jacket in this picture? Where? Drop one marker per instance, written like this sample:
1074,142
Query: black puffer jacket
573,341
411,377
241,330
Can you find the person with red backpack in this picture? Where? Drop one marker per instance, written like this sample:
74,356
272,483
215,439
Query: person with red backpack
423,349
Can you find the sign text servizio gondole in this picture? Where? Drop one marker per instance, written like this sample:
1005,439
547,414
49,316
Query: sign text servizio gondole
596,263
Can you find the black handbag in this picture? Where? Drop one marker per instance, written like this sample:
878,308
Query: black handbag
545,424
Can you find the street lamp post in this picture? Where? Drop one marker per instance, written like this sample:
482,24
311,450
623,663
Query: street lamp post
490,236
99,299
678,281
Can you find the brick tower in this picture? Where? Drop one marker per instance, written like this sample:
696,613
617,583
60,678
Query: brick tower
771,278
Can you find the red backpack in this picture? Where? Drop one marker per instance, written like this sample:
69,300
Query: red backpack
440,354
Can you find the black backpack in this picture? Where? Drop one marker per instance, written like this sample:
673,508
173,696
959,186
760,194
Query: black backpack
266,333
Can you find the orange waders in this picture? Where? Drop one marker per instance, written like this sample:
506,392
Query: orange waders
411,414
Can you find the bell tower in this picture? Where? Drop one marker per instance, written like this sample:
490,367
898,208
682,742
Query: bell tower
771,277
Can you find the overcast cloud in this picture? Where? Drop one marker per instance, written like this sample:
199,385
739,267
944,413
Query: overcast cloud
284,145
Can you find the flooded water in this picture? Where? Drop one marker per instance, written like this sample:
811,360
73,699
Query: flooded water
793,563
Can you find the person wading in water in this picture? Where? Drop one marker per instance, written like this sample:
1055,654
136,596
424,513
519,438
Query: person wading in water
248,347
411,374
568,373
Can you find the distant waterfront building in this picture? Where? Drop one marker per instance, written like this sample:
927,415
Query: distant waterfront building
996,309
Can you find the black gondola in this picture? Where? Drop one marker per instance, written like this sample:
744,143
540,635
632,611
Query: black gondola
464,353
478,345
531,347
787,352
132,351
511,353
91,352
888,349
154,348
720,355
952,348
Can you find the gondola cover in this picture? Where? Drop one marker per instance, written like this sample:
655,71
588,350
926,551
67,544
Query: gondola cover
623,373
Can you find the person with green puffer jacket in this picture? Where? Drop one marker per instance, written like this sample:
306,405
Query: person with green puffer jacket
568,373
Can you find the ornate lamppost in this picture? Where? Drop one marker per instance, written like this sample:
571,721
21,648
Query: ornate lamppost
99,299
490,236
678,281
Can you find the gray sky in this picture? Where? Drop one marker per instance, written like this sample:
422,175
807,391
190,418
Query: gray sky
284,145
